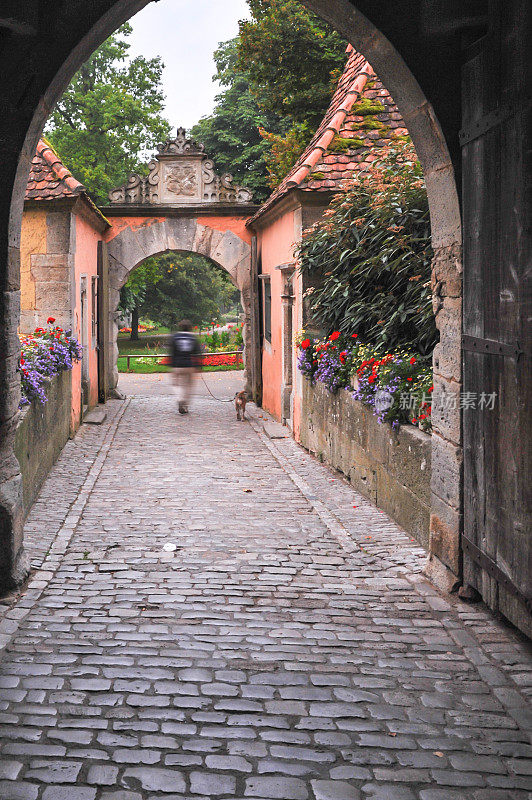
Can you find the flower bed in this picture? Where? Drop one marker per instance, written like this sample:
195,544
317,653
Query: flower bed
397,385
45,353
221,359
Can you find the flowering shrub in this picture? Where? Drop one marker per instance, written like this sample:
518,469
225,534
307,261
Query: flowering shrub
397,385
223,340
44,353
370,257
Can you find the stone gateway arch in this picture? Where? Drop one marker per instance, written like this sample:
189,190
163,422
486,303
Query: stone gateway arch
181,205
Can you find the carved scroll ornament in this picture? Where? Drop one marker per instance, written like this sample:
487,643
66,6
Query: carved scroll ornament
180,173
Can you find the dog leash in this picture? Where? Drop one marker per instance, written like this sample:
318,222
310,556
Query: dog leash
220,399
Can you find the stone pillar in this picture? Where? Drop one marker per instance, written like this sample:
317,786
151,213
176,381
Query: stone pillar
287,301
13,564
444,563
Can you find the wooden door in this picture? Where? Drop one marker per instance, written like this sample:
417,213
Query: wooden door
497,178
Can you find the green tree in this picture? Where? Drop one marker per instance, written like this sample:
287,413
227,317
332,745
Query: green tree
278,75
133,293
231,133
292,59
109,115
168,288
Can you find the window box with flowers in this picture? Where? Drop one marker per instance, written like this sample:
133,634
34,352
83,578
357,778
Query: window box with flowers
45,353
367,413
44,425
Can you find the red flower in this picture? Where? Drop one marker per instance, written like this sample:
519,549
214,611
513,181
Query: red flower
305,343
431,388
409,379
371,378
50,320
354,335
412,360
22,362
334,336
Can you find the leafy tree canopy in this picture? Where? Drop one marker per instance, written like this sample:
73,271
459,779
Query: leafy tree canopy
290,56
279,74
231,133
109,115
174,286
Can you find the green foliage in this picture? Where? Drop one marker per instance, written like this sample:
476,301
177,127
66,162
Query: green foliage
133,293
370,257
341,144
175,286
110,113
231,133
277,79
289,54
284,151
223,340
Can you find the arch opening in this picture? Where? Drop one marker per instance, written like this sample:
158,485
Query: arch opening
87,30
174,289
230,251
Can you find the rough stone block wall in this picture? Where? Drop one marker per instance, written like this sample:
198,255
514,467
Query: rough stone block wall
41,434
445,564
391,468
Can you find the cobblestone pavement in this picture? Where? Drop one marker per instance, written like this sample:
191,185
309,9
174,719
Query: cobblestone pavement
288,648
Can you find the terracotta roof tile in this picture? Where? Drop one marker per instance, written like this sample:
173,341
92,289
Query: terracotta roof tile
358,82
49,179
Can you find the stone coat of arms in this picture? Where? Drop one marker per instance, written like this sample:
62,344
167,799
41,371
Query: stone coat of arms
181,179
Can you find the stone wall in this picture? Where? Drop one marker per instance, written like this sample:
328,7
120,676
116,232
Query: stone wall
391,468
41,434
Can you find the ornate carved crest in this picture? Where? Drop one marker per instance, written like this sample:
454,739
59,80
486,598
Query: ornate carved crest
180,173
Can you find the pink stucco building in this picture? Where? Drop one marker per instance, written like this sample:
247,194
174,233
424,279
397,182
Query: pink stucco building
61,232
360,120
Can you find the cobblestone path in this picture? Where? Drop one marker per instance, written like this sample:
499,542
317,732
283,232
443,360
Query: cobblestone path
288,647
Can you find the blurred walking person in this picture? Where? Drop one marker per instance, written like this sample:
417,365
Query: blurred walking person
185,356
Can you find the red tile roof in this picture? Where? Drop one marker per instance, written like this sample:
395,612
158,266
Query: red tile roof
323,167
49,179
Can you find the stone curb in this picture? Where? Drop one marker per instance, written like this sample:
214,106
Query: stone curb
11,619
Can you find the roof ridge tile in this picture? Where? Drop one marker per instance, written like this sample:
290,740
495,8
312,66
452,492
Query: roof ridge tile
340,120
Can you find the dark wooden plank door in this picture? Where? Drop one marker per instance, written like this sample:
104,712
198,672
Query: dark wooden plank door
497,180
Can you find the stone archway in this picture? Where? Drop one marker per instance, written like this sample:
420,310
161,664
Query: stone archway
45,76
213,238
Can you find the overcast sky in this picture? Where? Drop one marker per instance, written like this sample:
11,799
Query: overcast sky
185,34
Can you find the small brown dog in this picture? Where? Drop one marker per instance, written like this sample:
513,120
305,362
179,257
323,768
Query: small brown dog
241,399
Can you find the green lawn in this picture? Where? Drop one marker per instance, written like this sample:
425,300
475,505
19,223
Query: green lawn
150,368
152,342
147,342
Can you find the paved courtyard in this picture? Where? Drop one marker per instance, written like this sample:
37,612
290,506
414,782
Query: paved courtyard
214,614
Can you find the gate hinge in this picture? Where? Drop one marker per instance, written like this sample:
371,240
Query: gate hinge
490,120
475,344
494,571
